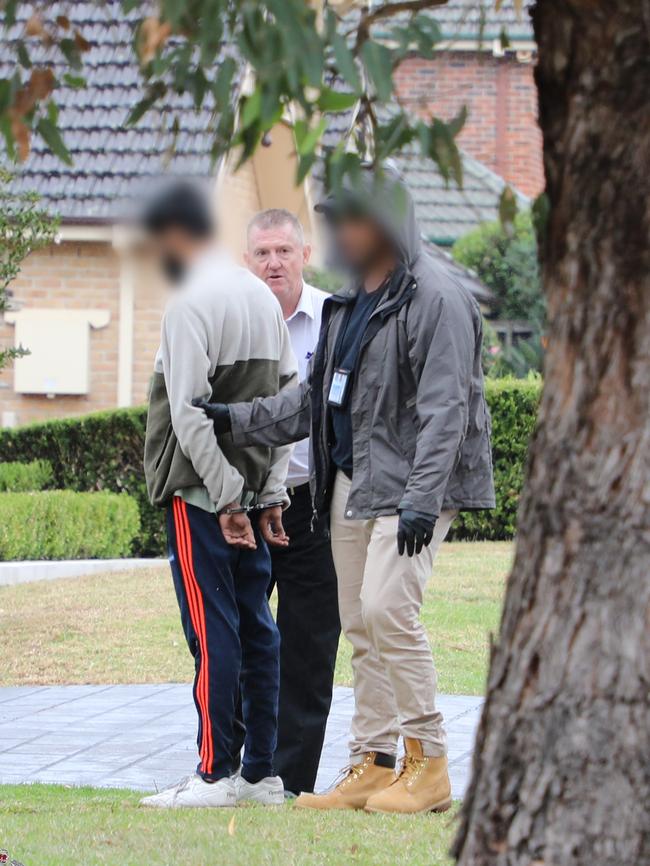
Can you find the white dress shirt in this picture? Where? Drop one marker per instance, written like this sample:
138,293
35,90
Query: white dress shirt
304,328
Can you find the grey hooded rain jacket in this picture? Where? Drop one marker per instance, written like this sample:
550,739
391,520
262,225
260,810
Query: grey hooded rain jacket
421,427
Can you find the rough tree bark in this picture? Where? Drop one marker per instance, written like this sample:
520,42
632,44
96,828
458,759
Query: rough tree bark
562,769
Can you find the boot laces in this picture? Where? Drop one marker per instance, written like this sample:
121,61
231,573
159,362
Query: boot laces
348,775
410,768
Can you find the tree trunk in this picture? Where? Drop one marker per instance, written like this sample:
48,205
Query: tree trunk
562,767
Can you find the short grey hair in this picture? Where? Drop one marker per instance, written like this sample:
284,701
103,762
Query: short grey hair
273,218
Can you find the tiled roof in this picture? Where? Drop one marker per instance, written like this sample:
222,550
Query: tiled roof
110,162
460,20
444,211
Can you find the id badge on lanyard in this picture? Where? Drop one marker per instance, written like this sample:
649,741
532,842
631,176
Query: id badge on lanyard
338,394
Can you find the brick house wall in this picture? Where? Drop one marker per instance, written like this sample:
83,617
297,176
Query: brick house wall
501,130
87,275
68,276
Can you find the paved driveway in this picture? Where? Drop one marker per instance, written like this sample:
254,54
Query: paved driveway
142,736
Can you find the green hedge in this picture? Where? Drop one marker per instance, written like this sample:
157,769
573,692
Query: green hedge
513,406
103,451
61,524
24,477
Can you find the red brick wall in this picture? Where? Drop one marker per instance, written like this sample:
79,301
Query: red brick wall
501,130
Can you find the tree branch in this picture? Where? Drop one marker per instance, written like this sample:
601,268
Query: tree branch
389,10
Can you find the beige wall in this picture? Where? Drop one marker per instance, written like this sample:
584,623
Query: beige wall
267,180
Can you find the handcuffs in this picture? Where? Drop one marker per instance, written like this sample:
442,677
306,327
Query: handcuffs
246,509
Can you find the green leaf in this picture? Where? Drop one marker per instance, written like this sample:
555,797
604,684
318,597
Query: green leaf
251,108
222,86
9,9
444,152
5,94
507,206
540,212
336,100
23,55
70,52
75,81
379,64
311,137
346,63
456,124
199,86
5,129
52,137
305,164
155,92
394,136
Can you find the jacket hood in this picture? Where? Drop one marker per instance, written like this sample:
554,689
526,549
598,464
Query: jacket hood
384,198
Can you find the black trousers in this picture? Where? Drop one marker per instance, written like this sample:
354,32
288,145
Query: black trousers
308,621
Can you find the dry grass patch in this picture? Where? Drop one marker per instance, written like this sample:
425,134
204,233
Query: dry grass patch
124,628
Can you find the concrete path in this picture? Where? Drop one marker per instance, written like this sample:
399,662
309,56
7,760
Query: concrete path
142,736
30,571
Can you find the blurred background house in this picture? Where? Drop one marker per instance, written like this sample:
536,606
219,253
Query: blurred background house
89,306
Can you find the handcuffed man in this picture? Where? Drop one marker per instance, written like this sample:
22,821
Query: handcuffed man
222,336
400,438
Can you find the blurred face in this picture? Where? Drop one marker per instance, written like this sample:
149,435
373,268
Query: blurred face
360,243
174,249
277,256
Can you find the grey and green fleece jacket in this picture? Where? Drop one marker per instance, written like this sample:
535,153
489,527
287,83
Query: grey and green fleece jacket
420,423
223,338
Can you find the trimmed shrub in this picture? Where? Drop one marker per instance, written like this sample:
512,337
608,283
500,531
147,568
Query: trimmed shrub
60,524
103,451
513,406
24,477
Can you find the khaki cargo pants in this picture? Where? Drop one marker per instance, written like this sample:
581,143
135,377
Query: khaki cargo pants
380,596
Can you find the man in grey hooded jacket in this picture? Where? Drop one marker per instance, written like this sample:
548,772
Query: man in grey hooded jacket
400,435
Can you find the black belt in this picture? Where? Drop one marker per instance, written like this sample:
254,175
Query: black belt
301,488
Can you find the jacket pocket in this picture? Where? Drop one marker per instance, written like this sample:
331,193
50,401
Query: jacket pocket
163,448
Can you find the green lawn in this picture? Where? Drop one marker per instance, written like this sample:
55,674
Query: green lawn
43,825
124,628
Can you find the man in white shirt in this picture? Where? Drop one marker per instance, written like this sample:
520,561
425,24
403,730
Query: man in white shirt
303,572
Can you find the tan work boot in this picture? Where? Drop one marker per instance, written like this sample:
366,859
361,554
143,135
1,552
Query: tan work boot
362,780
422,785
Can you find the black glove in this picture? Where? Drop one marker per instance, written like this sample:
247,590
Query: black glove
219,413
414,531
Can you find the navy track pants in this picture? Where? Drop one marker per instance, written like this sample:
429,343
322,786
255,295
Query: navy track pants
222,595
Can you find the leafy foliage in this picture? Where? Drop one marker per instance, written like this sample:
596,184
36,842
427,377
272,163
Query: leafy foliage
300,61
60,524
23,228
25,477
513,406
505,259
504,255
326,280
103,451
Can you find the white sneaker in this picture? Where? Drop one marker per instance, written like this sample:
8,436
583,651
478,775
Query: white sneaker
268,792
192,792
